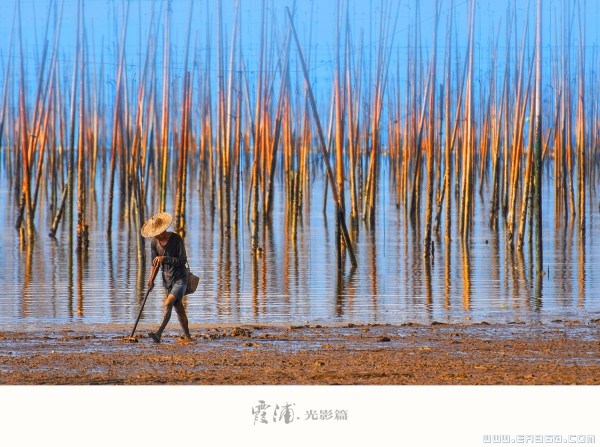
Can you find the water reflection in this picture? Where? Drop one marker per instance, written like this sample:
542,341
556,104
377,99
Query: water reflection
447,273
466,263
582,268
28,249
295,278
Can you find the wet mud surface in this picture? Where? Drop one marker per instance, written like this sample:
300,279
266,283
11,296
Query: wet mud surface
560,352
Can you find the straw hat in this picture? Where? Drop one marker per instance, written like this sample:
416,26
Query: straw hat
157,224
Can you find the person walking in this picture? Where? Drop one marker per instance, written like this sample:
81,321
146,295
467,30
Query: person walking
168,251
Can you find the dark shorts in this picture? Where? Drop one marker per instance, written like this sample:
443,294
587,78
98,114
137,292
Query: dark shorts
177,289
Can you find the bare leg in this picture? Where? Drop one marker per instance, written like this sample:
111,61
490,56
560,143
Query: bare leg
169,303
183,320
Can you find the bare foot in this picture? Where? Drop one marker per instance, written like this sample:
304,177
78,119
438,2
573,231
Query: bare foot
186,339
154,337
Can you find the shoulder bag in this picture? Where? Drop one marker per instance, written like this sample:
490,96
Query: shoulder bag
192,282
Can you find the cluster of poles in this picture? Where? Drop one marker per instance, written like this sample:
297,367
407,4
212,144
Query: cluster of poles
446,130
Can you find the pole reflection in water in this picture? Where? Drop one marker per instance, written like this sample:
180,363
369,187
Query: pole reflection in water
272,265
494,243
520,276
582,268
416,267
224,279
255,306
238,275
339,292
288,245
373,271
569,263
70,271
80,265
141,263
512,274
303,270
466,266
110,269
447,273
28,247
428,292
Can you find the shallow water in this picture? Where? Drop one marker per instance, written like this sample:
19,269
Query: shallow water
297,282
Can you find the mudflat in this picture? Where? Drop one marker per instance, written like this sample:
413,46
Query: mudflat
558,352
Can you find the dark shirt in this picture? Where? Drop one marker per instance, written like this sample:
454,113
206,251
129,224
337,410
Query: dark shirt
175,258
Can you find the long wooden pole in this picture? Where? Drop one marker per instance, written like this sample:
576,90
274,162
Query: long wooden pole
24,139
431,146
115,131
323,146
537,214
165,111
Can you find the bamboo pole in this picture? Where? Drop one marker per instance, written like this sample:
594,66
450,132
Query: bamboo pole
468,148
339,135
237,151
539,259
352,136
5,96
528,181
257,137
229,120
323,146
26,184
43,141
268,200
427,249
179,226
68,189
119,100
82,227
165,109
221,131
581,128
